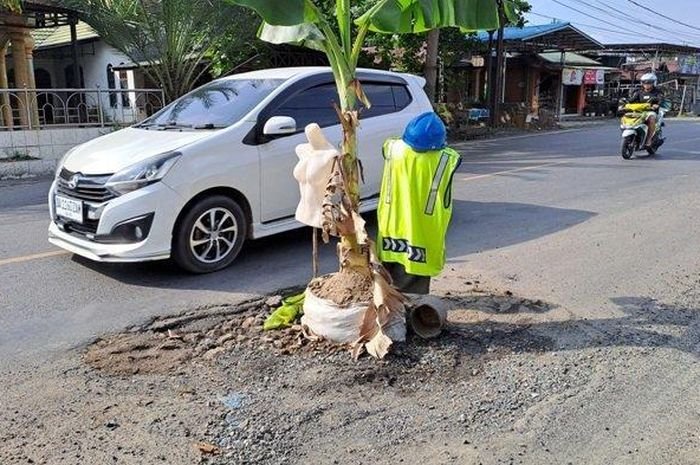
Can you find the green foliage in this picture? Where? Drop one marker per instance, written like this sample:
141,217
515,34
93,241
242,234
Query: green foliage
14,6
176,41
406,52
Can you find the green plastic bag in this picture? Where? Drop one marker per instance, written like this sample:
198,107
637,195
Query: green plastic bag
291,309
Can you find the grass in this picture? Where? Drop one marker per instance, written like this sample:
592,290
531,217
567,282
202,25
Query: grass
17,156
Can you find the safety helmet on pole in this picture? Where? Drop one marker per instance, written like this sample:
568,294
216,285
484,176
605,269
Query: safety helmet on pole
649,78
426,132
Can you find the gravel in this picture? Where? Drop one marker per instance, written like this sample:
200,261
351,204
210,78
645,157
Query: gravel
211,387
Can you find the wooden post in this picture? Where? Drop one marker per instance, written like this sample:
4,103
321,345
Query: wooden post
19,59
560,93
314,242
7,119
685,89
431,64
74,52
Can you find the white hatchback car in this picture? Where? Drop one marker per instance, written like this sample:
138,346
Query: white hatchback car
214,168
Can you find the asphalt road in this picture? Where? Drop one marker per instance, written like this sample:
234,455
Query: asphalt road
558,216
611,244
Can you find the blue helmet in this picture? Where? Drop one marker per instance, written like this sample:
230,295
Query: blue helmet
426,132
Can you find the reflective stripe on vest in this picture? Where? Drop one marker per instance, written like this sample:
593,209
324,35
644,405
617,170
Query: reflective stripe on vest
437,180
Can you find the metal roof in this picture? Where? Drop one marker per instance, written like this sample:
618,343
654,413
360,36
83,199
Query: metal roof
557,35
570,58
650,48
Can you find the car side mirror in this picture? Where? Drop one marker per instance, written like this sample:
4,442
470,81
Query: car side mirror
280,125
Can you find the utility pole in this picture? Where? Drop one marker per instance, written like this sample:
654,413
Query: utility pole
488,80
500,61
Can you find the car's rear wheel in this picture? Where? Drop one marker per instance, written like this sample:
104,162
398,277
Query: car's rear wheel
210,235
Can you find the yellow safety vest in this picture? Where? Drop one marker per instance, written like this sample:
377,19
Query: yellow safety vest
415,207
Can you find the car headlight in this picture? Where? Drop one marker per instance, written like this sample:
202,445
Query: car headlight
143,173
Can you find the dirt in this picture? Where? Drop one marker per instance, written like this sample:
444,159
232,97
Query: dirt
210,386
344,288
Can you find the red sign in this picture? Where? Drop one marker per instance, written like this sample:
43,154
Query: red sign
594,76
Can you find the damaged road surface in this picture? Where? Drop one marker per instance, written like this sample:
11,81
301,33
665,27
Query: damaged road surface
574,334
500,385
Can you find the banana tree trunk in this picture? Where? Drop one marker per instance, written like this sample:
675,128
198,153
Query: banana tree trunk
352,254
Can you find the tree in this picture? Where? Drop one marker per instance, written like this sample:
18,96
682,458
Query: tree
175,42
305,22
15,6
423,52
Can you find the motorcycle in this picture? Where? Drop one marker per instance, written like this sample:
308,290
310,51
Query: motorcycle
634,128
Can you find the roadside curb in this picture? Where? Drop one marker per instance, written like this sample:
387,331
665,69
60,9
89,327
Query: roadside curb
26,168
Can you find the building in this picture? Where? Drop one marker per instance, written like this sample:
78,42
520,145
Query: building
543,72
103,71
677,67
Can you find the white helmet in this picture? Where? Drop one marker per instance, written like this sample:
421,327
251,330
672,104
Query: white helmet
649,78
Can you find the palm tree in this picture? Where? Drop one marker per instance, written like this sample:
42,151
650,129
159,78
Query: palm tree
173,41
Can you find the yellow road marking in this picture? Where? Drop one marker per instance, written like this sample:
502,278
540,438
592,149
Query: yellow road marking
498,173
37,256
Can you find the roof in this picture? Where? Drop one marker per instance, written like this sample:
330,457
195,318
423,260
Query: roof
525,32
570,58
557,35
650,48
60,36
287,73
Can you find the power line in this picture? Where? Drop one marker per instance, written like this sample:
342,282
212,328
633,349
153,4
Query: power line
644,7
627,17
589,15
587,25
598,19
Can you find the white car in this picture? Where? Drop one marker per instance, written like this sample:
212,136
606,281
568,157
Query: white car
214,168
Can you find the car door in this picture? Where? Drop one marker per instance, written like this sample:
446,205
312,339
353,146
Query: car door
311,103
387,117
314,103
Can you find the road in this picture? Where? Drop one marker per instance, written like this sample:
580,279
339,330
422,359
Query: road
556,216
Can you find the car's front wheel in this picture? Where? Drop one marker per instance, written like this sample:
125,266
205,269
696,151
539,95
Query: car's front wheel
210,235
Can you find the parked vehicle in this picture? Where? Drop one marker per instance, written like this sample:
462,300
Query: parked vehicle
214,168
635,129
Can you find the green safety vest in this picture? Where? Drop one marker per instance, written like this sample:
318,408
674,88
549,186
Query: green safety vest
415,207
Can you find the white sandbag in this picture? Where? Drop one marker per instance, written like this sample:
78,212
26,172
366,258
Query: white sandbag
336,323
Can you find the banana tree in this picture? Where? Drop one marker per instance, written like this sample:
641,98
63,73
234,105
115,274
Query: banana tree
341,36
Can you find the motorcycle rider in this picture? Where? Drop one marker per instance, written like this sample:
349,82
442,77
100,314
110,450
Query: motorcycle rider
649,93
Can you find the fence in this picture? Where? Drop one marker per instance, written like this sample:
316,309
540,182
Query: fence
55,108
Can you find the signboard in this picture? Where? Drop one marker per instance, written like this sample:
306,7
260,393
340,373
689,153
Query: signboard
477,61
572,77
594,77
689,64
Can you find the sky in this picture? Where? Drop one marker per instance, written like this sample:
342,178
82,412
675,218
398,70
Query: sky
620,21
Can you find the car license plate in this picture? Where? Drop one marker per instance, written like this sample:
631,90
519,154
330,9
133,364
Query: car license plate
69,209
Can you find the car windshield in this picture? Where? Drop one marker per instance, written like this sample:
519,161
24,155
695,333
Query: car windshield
215,105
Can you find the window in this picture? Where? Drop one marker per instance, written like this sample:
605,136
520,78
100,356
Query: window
381,98
219,103
111,85
124,84
402,98
313,105
316,104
